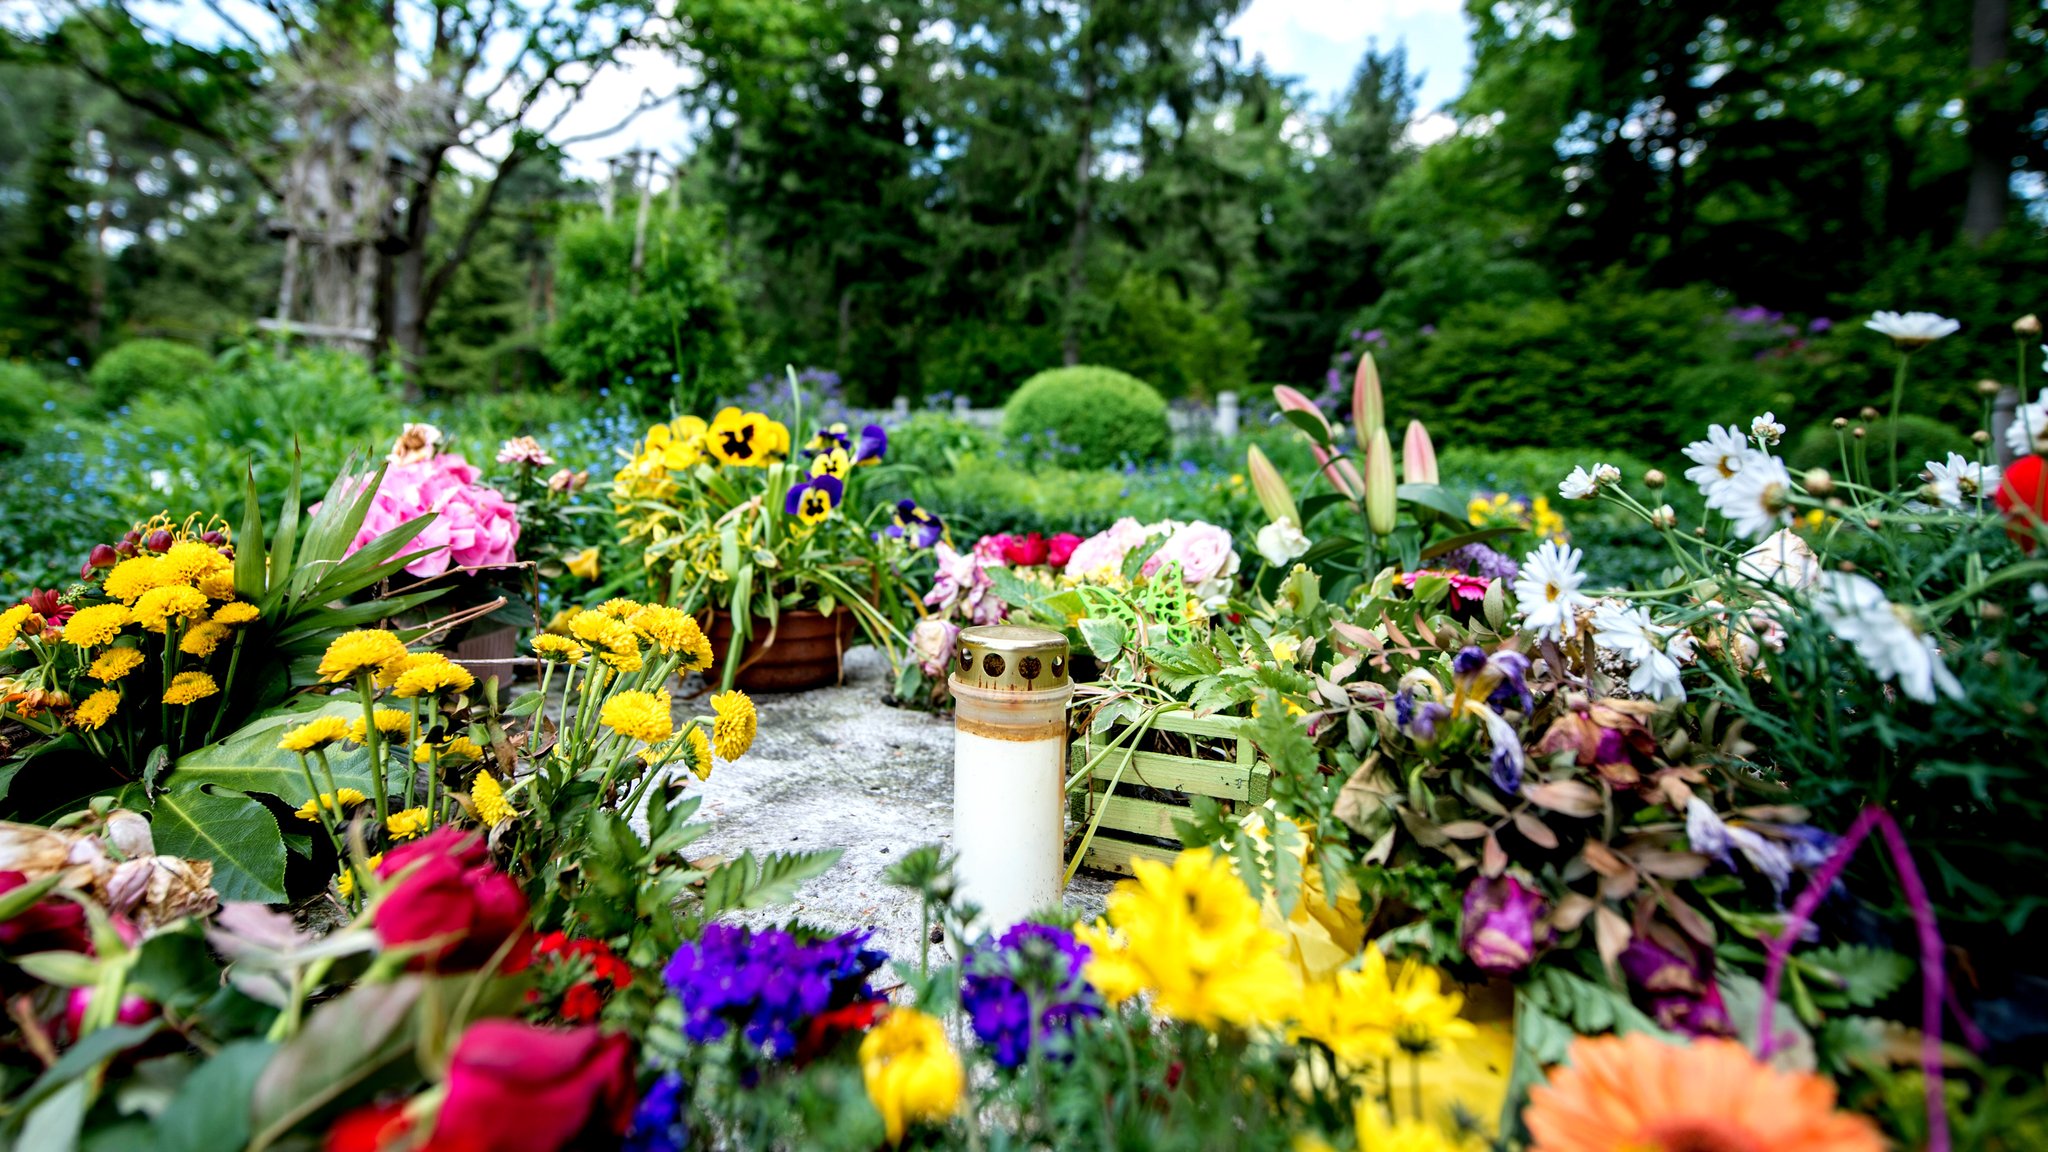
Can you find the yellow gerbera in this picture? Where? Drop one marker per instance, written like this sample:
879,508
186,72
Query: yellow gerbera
910,1071
96,709
390,721
643,716
115,663
733,725
559,649
202,638
94,626
341,799
407,823
318,732
155,609
433,678
489,800
235,612
354,653
189,688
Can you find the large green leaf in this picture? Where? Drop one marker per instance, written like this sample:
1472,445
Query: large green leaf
232,829
211,1108
346,1041
249,760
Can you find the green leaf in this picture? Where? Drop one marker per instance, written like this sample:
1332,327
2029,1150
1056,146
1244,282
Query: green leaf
81,1058
25,897
756,883
1310,423
1856,974
211,1109
54,1125
344,1042
230,828
1105,638
249,760
64,969
1435,497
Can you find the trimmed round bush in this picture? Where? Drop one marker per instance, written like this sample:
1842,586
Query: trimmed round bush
930,443
1921,438
140,366
23,396
1091,417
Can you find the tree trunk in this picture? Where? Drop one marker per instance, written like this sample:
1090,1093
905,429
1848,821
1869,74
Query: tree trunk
1991,128
1084,207
408,311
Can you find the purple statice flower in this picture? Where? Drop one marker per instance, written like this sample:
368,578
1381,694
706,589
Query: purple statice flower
1480,561
769,984
661,1121
1499,933
1026,990
1418,721
1819,324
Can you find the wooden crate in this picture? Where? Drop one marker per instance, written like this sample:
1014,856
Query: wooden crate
1211,757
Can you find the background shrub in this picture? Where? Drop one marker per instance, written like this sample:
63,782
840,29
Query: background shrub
27,402
933,443
139,366
1102,415
1921,438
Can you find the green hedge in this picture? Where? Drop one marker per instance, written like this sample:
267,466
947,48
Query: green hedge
25,402
1095,416
139,366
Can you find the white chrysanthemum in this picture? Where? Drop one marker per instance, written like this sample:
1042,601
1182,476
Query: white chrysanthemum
1956,479
2028,435
1911,330
1547,590
1784,559
1884,635
1767,429
1718,458
1758,499
1654,650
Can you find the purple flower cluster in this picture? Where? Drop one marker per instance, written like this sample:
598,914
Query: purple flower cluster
768,983
1032,965
660,1123
1480,561
1501,920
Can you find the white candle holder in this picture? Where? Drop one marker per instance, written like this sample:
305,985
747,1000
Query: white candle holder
1010,692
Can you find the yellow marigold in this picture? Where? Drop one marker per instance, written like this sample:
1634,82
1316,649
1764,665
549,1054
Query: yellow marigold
700,751
190,687
432,678
346,882
910,1071
558,649
733,724
202,638
353,653
489,800
138,574
318,732
407,823
390,721
235,612
155,609
619,608
218,585
11,622
643,716
458,750
338,800
97,709
94,626
115,663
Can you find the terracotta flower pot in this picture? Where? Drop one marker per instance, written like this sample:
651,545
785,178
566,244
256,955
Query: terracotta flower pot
802,650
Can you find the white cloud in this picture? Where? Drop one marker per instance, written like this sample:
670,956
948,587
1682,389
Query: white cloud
1322,41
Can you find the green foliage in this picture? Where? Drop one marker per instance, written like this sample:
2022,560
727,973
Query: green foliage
1107,416
1920,439
165,367
1157,334
28,402
668,336
931,443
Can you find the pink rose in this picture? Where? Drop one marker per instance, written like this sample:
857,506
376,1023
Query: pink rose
1106,549
933,640
1060,549
1202,550
473,527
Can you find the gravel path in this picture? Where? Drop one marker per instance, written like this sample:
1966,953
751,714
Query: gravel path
838,768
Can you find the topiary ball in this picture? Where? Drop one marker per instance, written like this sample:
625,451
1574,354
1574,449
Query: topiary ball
148,366
1089,417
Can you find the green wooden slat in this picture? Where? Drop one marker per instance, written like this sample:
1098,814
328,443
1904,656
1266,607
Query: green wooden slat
1201,777
1116,855
1143,817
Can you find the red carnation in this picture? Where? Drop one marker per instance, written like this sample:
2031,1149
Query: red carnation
1027,551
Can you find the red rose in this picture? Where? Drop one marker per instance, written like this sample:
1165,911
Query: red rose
1025,551
448,893
1060,549
371,1128
516,1087
52,924
2023,497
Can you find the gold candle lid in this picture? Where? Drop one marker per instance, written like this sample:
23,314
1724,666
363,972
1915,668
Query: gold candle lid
1010,658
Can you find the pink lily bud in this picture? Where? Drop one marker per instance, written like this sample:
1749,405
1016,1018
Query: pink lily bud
1368,408
1379,483
1418,455
1293,400
1270,487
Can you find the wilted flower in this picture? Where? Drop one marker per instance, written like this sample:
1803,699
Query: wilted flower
564,480
416,443
1499,932
1911,330
932,639
1709,835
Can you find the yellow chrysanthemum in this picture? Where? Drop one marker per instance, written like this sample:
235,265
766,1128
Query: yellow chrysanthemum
434,677
235,612
390,721
94,626
96,709
601,631
354,653
619,608
911,1073
202,638
138,574
115,663
189,688
11,622
671,630
339,800
733,724
188,560
387,676
559,649
156,608
1192,937
407,823
643,716
627,660
346,882
318,732
699,746
218,585
489,800
459,750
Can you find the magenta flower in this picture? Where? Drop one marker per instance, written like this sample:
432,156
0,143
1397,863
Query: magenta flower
1500,924
473,527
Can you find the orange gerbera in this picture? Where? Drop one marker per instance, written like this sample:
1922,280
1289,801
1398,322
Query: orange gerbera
1638,1094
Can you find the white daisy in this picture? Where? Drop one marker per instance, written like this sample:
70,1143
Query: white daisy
1758,498
1784,559
2028,435
1910,330
1884,635
1718,458
1955,480
1584,485
1547,590
1767,429
1653,649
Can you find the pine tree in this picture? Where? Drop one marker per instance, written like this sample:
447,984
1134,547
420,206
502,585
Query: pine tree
45,288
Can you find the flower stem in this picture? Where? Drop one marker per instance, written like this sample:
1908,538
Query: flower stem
373,740
1898,394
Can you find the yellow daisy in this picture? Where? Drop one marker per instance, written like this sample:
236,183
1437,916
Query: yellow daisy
353,653
407,823
459,750
432,678
489,801
341,799
97,709
318,732
390,721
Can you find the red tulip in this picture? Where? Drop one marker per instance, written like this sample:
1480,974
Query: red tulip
2023,496
516,1087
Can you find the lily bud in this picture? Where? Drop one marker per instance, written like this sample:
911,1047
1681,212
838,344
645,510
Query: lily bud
1270,487
1379,484
1418,455
1293,401
1368,408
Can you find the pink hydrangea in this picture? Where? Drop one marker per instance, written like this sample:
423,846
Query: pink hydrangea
1202,550
473,527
